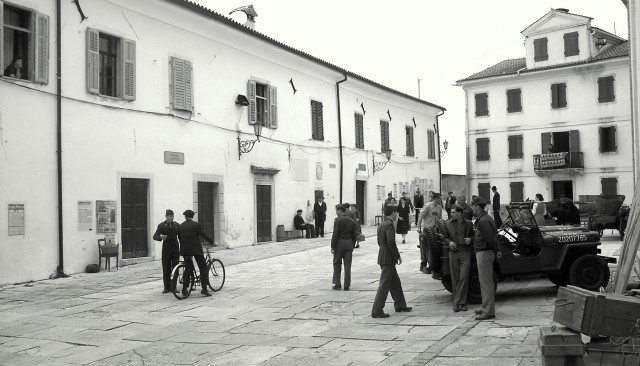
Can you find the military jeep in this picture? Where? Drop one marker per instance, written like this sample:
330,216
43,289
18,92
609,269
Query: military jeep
567,255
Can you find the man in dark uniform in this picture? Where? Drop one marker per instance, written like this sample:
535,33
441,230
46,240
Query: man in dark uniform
320,215
342,243
496,207
167,232
388,257
418,201
190,245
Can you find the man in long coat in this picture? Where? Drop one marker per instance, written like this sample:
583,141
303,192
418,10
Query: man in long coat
190,245
342,242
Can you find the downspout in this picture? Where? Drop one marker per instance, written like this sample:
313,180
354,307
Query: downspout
633,65
340,133
439,155
60,269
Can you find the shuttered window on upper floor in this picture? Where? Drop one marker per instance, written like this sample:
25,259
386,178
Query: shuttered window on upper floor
517,191
263,104
571,47
359,129
409,140
540,49
608,139
558,95
484,191
514,100
181,86
482,149
24,53
317,124
431,144
111,65
482,104
609,186
515,147
384,136
606,89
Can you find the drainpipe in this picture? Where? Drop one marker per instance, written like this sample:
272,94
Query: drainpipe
518,72
439,155
340,133
60,269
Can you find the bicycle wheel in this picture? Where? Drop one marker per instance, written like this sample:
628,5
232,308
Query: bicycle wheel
181,279
216,275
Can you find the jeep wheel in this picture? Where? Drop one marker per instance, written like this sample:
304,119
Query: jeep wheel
589,272
446,282
474,294
559,279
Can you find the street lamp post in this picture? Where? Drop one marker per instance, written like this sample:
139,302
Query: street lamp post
245,146
381,164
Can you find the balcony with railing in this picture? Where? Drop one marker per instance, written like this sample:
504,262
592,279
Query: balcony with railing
561,162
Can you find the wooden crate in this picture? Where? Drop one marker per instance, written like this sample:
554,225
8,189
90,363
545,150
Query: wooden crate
596,314
613,352
560,346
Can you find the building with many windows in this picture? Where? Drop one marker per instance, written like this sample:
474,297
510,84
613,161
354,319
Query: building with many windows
147,105
555,122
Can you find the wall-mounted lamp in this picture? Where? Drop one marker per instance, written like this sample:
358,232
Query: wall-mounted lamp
244,147
380,165
445,144
242,100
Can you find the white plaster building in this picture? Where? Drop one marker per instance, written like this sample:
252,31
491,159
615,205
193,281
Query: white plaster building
555,122
149,115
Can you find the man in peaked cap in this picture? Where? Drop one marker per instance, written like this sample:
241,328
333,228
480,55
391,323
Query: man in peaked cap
190,246
167,232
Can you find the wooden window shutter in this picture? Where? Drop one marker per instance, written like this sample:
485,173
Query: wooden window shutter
571,44
273,106
359,127
517,191
386,136
431,137
574,141
253,107
606,89
545,137
613,138
540,49
601,138
555,95
128,69
319,121
177,84
93,61
409,140
2,66
482,105
42,48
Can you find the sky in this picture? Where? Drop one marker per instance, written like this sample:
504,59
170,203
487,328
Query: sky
396,43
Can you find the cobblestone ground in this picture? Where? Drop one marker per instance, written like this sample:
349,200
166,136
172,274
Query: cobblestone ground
276,308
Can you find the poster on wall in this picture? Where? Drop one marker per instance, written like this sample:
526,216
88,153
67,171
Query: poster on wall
85,215
16,219
106,216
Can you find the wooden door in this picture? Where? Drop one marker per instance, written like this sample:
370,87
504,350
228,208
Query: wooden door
263,213
562,188
206,196
134,217
360,190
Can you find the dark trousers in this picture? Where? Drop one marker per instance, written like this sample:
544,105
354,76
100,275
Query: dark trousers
497,218
309,230
389,283
319,228
343,253
170,259
417,214
202,267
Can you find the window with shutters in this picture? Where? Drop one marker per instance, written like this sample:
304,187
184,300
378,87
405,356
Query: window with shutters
409,138
571,44
606,91
609,186
608,139
540,49
515,147
359,128
317,127
263,104
482,149
24,53
111,65
431,144
181,87
517,191
558,95
514,100
482,104
384,136
484,191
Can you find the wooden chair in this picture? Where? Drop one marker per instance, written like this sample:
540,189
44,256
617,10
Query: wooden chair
107,251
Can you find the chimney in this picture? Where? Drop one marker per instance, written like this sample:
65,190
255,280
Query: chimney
564,10
250,13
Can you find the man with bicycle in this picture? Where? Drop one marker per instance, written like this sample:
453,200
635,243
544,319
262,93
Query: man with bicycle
190,246
167,231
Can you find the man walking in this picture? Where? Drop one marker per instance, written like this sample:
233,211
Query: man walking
320,215
190,233
167,232
485,244
388,257
418,202
342,243
496,207
459,237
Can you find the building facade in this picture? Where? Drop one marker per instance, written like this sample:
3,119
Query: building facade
163,104
555,122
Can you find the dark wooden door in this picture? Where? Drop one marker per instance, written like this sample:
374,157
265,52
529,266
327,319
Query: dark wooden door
562,188
206,195
360,189
134,217
263,213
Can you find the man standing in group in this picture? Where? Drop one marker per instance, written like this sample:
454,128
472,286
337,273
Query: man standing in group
467,212
167,232
496,207
418,201
320,215
342,242
298,223
431,213
190,233
451,200
388,257
459,237
485,244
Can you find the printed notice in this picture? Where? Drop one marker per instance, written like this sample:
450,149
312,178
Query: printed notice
85,215
16,219
106,216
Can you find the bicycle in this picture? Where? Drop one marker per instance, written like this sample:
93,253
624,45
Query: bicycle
185,278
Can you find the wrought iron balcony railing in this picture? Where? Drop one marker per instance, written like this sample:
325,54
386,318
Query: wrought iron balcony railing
557,161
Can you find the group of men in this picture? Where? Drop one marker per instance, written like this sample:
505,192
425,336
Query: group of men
182,239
